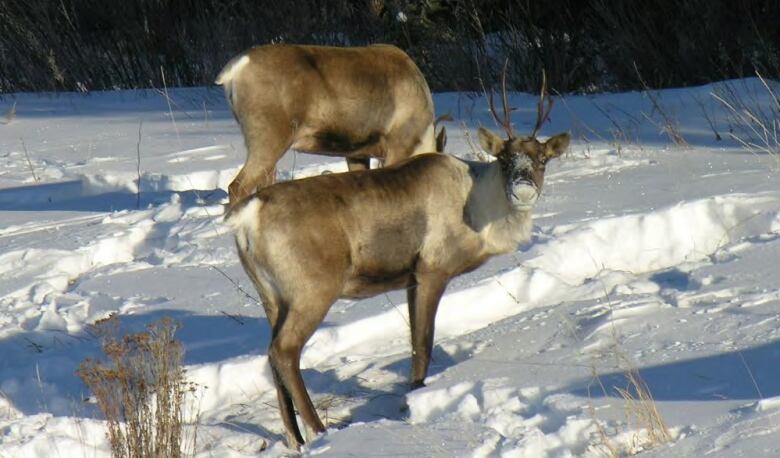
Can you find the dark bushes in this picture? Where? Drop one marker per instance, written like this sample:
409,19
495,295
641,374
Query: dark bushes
584,46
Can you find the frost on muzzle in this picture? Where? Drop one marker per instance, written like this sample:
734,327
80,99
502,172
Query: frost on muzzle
521,189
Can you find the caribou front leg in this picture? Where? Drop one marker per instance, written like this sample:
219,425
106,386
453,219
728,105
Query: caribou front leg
423,298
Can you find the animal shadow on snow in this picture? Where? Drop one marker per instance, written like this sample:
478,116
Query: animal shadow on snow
747,374
41,378
69,196
386,402
675,279
189,102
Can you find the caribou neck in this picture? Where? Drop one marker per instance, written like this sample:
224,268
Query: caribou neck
489,212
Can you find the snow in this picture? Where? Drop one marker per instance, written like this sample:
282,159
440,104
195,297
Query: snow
646,256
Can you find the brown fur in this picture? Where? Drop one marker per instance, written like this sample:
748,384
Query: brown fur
414,225
353,102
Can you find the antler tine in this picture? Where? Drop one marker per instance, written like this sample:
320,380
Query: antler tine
542,113
504,121
505,102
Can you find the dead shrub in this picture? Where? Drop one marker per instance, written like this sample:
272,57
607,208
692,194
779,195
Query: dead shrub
141,389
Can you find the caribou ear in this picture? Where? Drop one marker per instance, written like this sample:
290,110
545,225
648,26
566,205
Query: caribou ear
490,142
557,145
441,140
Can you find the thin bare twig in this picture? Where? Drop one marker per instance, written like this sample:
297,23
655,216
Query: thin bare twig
233,317
29,162
170,109
707,116
138,165
235,283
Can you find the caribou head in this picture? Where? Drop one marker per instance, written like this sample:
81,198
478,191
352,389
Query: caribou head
522,159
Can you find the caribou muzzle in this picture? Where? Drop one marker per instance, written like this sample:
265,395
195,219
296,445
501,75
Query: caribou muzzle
523,194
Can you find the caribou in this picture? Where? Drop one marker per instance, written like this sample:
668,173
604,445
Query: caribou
359,102
415,225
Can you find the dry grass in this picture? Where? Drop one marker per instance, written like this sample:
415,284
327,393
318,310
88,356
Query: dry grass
643,419
141,390
327,404
642,412
475,152
625,133
605,444
753,125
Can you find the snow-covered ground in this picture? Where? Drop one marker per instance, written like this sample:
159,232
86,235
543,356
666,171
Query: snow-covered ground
647,256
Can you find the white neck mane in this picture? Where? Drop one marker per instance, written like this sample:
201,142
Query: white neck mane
488,211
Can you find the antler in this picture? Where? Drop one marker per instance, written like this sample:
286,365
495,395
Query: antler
542,113
543,108
505,122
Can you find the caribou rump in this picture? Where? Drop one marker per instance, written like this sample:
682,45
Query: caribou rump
358,102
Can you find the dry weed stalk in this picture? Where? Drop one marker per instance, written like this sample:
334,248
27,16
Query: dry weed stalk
138,165
328,403
141,390
9,115
605,445
29,162
627,134
475,152
669,125
707,116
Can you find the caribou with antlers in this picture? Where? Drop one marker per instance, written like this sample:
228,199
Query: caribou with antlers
414,225
357,103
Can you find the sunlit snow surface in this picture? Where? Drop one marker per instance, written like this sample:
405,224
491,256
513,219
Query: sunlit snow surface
646,255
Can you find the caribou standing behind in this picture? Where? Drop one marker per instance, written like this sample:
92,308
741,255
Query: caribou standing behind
414,225
357,102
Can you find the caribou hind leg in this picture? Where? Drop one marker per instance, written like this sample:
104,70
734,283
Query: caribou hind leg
293,331
265,144
271,305
287,412
286,406
415,136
